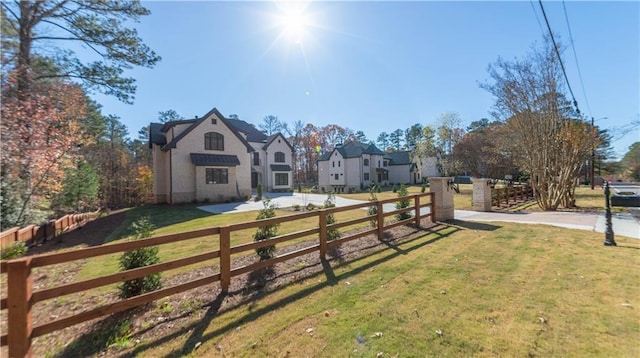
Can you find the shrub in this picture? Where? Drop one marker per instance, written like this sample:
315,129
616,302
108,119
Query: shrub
373,210
332,234
395,189
378,189
14,250
267,231
402,203
423,188
145,256
296,207
259,195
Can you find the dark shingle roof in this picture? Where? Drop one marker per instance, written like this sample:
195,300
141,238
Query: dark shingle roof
354,150
220,160
280,168
253,135
155,134
400,157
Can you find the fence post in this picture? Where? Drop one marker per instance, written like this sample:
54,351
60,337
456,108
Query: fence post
225,258
417,204
380,220
498,197
322,225
19,286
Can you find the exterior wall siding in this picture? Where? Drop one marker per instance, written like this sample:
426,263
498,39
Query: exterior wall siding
400,174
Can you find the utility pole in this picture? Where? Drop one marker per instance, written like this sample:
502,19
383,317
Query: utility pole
593,158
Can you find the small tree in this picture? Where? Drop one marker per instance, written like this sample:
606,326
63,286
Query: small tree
259,190
404,203
267,231
332,234
395,188
373,210
145,256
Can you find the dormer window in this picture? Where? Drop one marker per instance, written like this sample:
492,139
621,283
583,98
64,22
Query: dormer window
213,141
279,157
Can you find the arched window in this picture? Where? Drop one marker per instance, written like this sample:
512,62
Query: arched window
279,157
366,162
213,141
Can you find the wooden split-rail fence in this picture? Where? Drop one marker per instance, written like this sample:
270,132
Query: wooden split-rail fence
509,195
22,297
40,233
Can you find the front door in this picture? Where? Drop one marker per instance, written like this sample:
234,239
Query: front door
254,180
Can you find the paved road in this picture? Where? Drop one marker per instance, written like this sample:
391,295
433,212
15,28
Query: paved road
624,224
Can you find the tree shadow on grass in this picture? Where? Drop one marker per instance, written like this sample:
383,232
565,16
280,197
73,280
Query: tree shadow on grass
197,329
471,225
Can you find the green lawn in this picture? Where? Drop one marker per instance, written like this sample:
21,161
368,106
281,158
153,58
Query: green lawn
466,290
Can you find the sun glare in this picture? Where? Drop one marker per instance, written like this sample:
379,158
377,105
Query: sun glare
294,23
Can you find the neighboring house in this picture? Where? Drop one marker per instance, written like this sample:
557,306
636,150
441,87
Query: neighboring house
354,166
425,168
211,159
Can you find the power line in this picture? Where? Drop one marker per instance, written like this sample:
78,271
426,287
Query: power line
536,13
555,46
575,55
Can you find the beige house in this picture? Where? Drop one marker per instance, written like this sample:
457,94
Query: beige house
354,166
212,159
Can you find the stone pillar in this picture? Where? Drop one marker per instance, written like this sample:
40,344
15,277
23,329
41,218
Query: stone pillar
443,197
481,194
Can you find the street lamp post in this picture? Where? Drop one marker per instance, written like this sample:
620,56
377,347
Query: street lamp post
593,160
608,234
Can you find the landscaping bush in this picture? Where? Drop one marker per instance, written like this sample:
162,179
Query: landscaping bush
145,256
259,195
267,231
395,189
14,250
332,234
423,188
403,203
373,210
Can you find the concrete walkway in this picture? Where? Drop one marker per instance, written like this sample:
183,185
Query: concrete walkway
624,224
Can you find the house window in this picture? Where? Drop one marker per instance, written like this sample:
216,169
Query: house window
217,176
333,164
256,158
366,176
338,164
279,157
366,162
214,120
336,176
385,163
213,141
282,179
378,164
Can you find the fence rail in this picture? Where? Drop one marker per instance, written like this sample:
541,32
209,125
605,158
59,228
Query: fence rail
510,195
46,231
21,297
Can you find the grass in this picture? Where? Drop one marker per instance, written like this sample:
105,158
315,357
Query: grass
489,290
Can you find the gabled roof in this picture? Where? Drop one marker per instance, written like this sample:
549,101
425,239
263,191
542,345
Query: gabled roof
273,137
400,157
353,150
195,123
253,135
221,160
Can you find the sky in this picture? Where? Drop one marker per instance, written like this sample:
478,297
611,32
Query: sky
376,66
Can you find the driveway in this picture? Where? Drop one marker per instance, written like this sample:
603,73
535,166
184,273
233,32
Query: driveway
281,200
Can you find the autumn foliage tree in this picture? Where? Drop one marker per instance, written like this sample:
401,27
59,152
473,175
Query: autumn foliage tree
40,135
